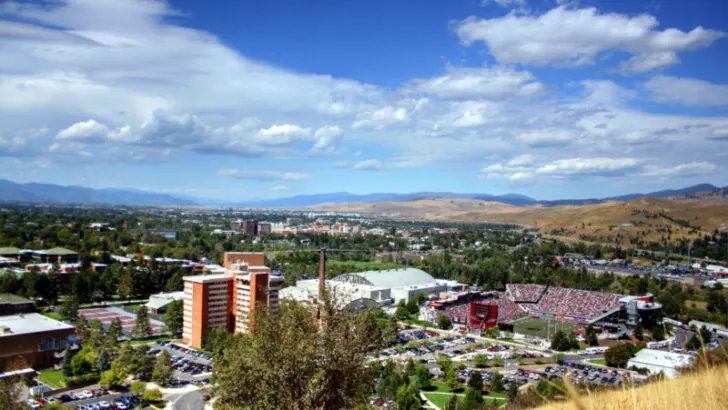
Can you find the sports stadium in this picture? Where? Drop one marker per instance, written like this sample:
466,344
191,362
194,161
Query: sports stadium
570,306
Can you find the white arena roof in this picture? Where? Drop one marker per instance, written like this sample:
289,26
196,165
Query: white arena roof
393,278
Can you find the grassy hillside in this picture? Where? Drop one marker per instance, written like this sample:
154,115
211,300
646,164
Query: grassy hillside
704,391
642,220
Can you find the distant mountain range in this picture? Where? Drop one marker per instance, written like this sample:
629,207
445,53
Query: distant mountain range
59,194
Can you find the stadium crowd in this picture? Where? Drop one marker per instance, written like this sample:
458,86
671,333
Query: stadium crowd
519,292
578,303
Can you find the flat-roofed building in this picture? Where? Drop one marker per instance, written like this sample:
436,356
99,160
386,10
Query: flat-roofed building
227,300
12,305
31,340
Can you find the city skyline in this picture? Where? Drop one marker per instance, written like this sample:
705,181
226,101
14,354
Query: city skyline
567,99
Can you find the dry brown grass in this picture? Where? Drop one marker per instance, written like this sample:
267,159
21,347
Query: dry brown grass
591,221
696,391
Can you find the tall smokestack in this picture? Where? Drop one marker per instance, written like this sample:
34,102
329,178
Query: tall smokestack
322,274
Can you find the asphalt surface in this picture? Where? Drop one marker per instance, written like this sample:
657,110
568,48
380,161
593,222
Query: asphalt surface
190,401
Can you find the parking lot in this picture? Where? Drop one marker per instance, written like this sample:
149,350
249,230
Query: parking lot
89,398
189,365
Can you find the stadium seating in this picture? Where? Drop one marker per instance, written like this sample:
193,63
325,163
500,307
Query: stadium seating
578,303
525,293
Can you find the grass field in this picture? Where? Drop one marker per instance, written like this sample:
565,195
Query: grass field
598,361
699,304
53,378
440,399
538,327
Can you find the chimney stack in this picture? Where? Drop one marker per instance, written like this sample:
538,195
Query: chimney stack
322,274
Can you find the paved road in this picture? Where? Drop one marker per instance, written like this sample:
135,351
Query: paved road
190,401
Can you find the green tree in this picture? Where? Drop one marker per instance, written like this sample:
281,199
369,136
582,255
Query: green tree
452,403
410,368
496,383
401,313
304,366
706,335
694,343
173,317
142,329
95,334
560,342
138,388
512,391
590,335
69,309
141,365
619,355
81,325
127,285
66,368
476,382
638,331
103,363
163,372
480,361
408,397
444,322
658,332
10,394
152,395
113,333
423,377
451,378
114,377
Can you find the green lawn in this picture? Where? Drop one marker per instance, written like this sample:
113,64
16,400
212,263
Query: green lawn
52,377
440,400
538,327
53,315
598,361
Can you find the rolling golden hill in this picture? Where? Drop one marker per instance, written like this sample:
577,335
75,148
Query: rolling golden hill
703,390
641,220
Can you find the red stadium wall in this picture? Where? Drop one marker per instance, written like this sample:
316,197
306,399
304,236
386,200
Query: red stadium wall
483,315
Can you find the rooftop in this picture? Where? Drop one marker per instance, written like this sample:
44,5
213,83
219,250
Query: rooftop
59,251
662,358
9,250
30,323
8,298
392,278
208,278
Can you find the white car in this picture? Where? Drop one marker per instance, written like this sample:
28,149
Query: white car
120,405
104,405
33,404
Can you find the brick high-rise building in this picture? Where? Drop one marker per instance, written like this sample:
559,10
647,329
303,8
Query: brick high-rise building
226,301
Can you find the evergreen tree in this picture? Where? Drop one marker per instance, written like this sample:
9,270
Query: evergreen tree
162,373
127,283
113,377
590,335
173,317
408,397
423,377
638,331
104,361
113,333
66,367
69,309
409,369
476,382
142,329
496,383
453,403
512,391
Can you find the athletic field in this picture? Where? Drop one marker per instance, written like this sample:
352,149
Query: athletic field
539,327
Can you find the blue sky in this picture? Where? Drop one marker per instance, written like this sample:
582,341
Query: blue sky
247,100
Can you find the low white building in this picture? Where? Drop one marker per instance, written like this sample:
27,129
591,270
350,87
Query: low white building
658,361
158,303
